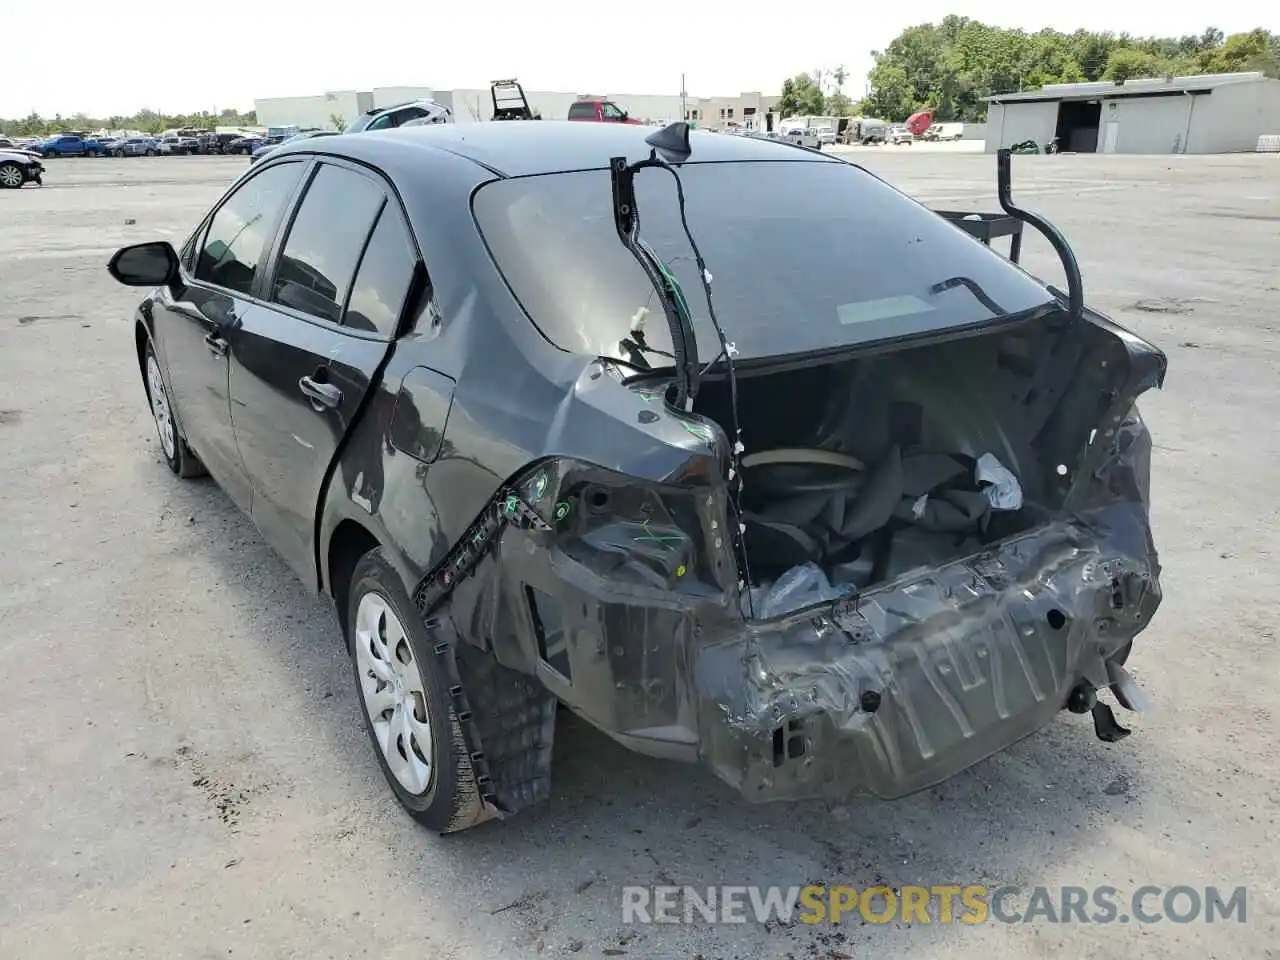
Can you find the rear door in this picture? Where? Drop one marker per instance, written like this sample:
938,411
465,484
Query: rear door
303,361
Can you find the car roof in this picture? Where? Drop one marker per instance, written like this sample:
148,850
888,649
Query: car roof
516,148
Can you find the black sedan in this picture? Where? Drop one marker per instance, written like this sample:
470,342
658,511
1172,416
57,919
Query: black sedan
730,447
18,168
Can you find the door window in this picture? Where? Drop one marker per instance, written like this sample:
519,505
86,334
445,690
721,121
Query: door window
382,123
377,296
610,112
401,117
235,244
325,241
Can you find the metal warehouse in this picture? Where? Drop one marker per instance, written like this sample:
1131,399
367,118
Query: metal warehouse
1222,113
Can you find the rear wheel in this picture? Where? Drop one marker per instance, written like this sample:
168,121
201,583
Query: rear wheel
172,445
407,708
12,176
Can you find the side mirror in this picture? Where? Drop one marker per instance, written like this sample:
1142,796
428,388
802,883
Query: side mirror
151,264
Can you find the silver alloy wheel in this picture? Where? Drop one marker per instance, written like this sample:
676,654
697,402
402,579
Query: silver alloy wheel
11,175
393,693
160,409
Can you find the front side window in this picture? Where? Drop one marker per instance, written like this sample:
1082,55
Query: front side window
382,123
386,270
824,256
610,112
325,242
235,245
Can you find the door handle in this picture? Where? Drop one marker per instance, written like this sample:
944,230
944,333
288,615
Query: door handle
320,394
217,346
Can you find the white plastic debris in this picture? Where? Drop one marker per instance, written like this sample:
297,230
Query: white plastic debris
638,320
917,508
801,586
999,485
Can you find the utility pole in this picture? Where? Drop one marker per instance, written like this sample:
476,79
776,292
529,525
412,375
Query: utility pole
684,100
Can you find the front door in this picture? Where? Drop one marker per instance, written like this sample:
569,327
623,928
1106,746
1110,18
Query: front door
302,364
192,329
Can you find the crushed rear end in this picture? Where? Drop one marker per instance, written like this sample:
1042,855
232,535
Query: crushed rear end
934,546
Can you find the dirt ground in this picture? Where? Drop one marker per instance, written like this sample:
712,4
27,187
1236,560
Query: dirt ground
183,771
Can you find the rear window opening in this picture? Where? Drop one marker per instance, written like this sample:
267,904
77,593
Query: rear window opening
804,256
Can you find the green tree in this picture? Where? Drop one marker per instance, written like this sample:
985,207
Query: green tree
801,96
949,67
891,96
338,120
1128,62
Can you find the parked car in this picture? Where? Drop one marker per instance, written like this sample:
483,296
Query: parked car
803,137
900,135
516,480
67,145
246,144
136,147
266,149
18,168
179,146
599,110
14,146
386,118
865,131
212,143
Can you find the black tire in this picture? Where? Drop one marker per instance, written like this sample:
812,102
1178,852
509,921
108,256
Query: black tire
183,461
151,153
12,176
451,800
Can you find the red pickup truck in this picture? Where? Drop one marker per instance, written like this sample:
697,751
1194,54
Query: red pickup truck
599,111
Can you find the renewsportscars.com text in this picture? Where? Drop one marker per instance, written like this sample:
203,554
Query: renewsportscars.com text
938,904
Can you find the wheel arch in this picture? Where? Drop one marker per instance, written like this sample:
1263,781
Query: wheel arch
349,541
141,337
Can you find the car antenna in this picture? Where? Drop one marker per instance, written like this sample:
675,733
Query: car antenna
1004,192
670,146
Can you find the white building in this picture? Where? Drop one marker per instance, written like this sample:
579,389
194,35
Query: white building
328,111
1215,113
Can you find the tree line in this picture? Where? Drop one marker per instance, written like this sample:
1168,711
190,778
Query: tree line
950,66
145,121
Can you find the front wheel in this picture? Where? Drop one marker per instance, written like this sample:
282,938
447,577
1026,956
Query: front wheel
177,455
151,153
12,176
408,712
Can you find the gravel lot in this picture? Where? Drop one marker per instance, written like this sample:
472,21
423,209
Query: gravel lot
184,769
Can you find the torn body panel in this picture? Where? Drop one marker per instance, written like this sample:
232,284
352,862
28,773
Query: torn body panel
619,593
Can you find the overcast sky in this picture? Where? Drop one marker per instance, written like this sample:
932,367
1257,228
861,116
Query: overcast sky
117,56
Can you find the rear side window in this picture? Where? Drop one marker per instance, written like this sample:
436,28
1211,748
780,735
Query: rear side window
401,117
325,241
377,296
582,111
236,241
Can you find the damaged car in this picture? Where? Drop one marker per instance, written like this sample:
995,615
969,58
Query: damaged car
729,447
